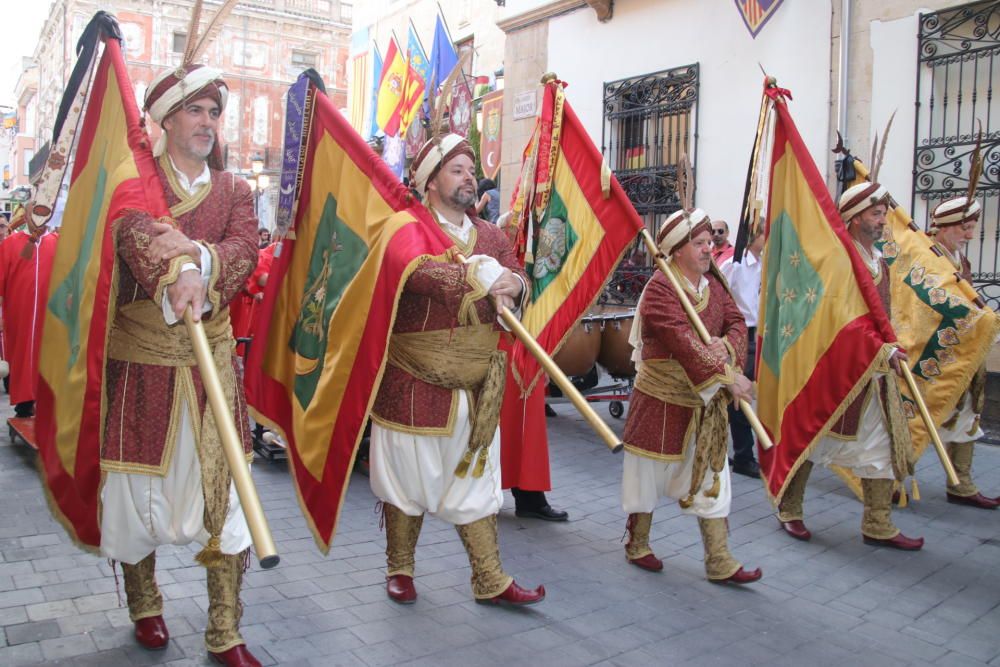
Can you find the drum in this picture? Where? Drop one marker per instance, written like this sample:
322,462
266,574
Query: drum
579,353
615,355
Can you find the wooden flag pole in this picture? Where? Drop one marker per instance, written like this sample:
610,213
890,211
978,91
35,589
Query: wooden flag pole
762,437
263,542
949,469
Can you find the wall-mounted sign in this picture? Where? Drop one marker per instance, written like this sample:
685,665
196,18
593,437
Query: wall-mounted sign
526,104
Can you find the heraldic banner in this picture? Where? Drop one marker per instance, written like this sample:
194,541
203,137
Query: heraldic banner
489,141
356,236
945,328
113,170
823,329
577,222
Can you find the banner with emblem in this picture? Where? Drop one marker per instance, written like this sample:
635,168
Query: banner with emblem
460,111
756,13
489,141
946,329
112,170
356,237
574,220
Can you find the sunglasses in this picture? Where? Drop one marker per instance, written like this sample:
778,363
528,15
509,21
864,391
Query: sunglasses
718,231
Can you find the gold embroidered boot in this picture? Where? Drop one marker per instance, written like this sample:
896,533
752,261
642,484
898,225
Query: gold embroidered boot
790,512
145,604
637,549
966,493
876,522
490,584
720,566
224,607
401,533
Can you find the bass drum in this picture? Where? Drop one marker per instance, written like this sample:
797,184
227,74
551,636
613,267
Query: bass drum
579,353
615,355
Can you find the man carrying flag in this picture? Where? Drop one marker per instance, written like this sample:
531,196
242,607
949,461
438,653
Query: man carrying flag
434,441
954,224
869,436
167,481
675,434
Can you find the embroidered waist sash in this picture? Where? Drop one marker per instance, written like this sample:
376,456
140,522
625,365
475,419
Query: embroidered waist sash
464,358
665,380
140,335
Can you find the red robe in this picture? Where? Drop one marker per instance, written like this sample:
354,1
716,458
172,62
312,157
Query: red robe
243,308
524,440
24,286
431,301
140,395
659,430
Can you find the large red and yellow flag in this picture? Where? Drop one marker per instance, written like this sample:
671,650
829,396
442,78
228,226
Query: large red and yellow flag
331,300
113,170
942,323
574,223
823,330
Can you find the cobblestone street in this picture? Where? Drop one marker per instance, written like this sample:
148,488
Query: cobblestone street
830,601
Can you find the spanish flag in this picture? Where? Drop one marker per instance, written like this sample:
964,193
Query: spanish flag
823,330
391,89
113,170
331,298
575,222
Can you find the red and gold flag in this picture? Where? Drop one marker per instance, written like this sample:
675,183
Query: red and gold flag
113,170
331,301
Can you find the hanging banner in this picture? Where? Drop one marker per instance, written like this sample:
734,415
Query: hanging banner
489,139
461,109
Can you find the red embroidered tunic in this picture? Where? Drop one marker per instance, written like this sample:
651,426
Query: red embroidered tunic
430,301
140,396
660,430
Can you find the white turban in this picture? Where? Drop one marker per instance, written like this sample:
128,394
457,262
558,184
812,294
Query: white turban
433,155
858,198
680,228
955,211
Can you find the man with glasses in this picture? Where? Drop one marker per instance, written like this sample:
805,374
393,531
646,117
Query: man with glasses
722,249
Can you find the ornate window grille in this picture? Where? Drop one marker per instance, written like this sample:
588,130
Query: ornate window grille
650,121
958,62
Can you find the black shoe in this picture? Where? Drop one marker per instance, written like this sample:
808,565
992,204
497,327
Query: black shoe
747,468
549,412
545,513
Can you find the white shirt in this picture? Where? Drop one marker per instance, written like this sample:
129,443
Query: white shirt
744,283
206,257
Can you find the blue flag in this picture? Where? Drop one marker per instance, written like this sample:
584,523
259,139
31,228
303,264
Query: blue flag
373,127
443,58
416,56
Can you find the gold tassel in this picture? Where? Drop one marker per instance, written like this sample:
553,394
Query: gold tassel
901,489
685,503
480,464
914,489
211,555
716,487
462,469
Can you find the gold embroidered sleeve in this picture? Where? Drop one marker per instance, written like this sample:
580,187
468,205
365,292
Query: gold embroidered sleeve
234,257
133,234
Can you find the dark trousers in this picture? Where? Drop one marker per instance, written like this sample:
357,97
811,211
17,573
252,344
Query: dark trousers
739,427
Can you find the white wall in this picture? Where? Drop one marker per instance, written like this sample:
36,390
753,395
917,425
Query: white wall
650,35
894,88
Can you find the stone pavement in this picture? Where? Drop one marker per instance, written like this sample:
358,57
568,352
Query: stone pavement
831,601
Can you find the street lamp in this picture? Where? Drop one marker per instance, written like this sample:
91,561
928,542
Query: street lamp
257,163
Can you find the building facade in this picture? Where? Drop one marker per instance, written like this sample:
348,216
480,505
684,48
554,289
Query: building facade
262,47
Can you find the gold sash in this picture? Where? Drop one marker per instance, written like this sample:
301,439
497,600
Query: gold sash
665,380
463,358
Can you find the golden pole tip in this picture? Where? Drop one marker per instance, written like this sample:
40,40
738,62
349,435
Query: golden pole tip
549,76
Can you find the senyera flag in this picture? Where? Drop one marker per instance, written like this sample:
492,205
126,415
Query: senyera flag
356,237
574,223
113,170
823,328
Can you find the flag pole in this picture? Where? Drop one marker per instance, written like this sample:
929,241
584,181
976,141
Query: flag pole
762,437
949,469
232,448
555,374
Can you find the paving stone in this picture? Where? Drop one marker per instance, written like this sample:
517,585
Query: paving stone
31,632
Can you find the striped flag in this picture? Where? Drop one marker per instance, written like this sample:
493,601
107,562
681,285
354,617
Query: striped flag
756,13
331,298
113,170
390,89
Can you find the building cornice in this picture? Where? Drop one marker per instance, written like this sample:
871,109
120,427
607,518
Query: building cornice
544,13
